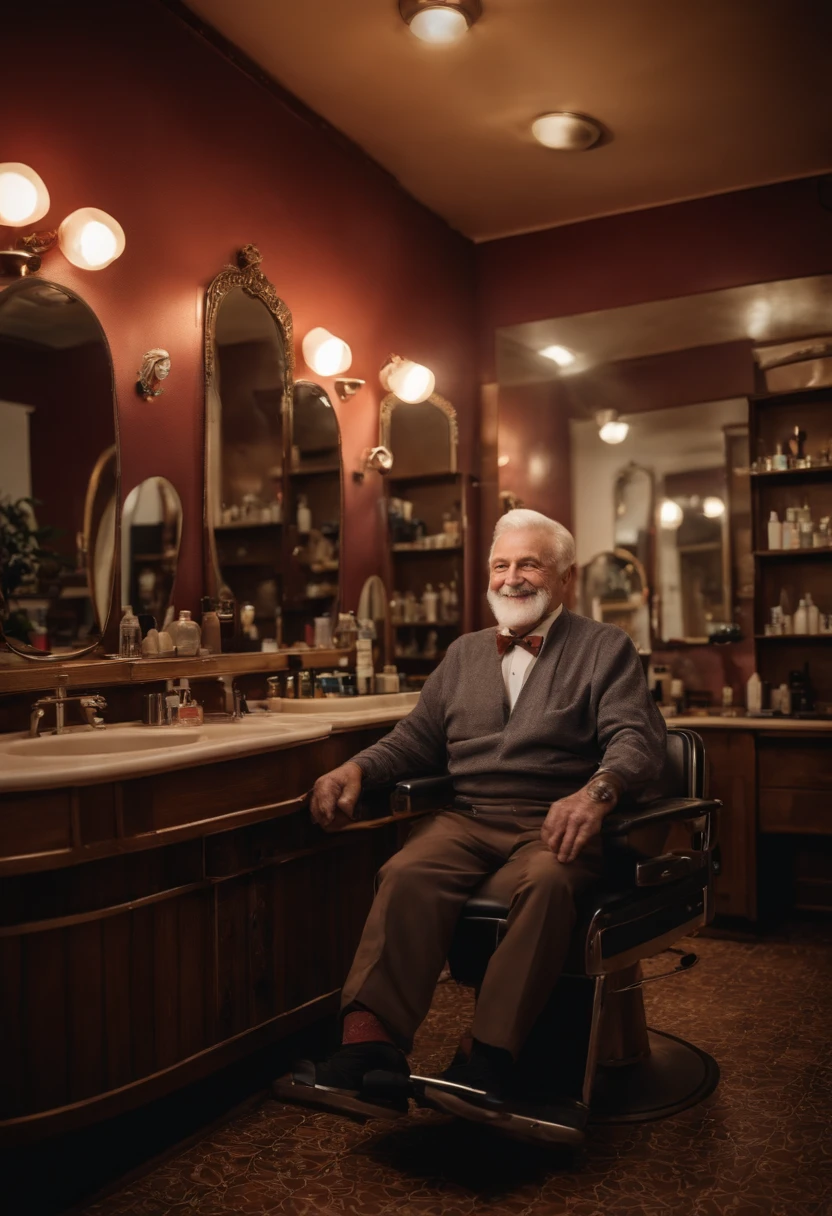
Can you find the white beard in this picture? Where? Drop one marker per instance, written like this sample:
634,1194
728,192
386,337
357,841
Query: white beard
519,611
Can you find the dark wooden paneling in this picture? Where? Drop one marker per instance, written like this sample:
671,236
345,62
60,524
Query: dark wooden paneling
730,755
97,814
118,1019
261,948
196,971
86,1045
37,822
795,764
45,985
166,982
803,811
12,1016
232,909
142,1003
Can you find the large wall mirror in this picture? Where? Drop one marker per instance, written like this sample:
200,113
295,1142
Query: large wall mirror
314,511
59,471
248,387
151,529
679,511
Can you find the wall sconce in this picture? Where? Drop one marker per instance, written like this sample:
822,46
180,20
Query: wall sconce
326,354
411,382
348,388
609,427
379,458
89,238
670,514
440,21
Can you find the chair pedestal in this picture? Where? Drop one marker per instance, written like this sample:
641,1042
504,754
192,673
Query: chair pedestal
674,1076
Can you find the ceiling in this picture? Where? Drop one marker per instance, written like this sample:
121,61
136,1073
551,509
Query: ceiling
761,312
699,97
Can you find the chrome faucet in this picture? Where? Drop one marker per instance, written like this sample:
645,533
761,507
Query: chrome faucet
235,701
88,702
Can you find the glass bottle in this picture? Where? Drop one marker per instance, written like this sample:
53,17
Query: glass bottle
188,635
129,635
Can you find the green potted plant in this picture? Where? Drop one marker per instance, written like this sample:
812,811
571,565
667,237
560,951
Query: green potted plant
25,556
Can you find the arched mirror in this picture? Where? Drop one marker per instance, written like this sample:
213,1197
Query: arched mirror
422,436
314,510
613,588
151,529
59,471
248,386
633,528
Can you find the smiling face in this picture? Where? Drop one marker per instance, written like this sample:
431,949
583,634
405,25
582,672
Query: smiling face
524,583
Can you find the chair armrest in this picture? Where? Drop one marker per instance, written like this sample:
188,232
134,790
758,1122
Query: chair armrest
663,810
422,794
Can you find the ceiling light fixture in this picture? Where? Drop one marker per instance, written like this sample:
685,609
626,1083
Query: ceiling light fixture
566,132
440,21
610,429
713,507
561,355
411,382
670,514
89,238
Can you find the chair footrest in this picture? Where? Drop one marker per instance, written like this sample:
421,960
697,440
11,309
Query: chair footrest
550,1123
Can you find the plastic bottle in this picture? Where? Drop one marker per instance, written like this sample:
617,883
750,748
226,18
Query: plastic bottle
129,635
188,635
775,532
754,694
304,519
430,601
364,674
812,615
801,619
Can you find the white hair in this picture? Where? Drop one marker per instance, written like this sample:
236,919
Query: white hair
560,541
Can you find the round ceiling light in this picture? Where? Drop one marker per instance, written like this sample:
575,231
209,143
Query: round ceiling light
610,428
438,22
566,132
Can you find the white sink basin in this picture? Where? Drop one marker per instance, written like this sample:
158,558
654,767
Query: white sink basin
328,707
103,742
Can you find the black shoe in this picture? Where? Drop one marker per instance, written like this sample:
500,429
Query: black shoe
488,1070
339,1083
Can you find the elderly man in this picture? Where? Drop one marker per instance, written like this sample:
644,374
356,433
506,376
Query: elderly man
543,724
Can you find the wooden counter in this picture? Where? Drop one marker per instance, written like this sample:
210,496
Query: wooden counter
154,930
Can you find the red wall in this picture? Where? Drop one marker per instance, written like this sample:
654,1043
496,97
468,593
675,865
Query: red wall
129,110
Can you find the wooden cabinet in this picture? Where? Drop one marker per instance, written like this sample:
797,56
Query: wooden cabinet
730,758
154,930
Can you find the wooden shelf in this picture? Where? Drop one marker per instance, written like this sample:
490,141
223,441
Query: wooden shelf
425,624
427,479
791,555
798,638
398,551
821,472
243,525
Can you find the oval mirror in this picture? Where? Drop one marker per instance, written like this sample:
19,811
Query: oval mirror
59,471
613,588
151,529
248,384
314,509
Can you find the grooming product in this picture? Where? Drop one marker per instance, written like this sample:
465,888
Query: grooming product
364,674
388,680
228,625
129,635
304,516
153,709
188,635
150,643
775,532
430,603
323,632
754,694
211,637
779,460
677,695
812,615
247,626
801,619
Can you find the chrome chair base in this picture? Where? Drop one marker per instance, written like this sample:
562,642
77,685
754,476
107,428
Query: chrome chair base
673,1077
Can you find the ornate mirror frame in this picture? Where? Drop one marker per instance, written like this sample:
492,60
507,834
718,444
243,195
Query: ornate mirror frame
248,275
385,418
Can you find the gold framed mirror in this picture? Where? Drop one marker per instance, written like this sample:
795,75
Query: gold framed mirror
249,366
59,472
151,531
423,436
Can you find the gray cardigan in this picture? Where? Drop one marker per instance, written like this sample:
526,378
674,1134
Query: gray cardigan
585,702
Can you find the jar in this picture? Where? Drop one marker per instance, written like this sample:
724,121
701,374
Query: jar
188,635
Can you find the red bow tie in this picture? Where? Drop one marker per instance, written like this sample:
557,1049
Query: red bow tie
505,641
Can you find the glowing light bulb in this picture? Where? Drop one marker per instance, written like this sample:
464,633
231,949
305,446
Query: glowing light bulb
561,355
670,514
439,25
713,507
411,382
91,239
24,198
326,354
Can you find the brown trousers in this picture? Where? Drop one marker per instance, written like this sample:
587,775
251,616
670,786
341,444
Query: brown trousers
421,892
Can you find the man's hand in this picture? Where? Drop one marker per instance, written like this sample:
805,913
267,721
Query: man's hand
334,796
571,823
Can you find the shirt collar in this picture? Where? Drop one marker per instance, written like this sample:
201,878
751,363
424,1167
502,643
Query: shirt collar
545,625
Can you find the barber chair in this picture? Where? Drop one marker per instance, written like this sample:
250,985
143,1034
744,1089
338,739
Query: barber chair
591,1057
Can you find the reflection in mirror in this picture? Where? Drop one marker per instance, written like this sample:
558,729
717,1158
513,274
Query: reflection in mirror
59,464
372,606
313,514
151,528
687,452
248,381
633,529
423,437
613,588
